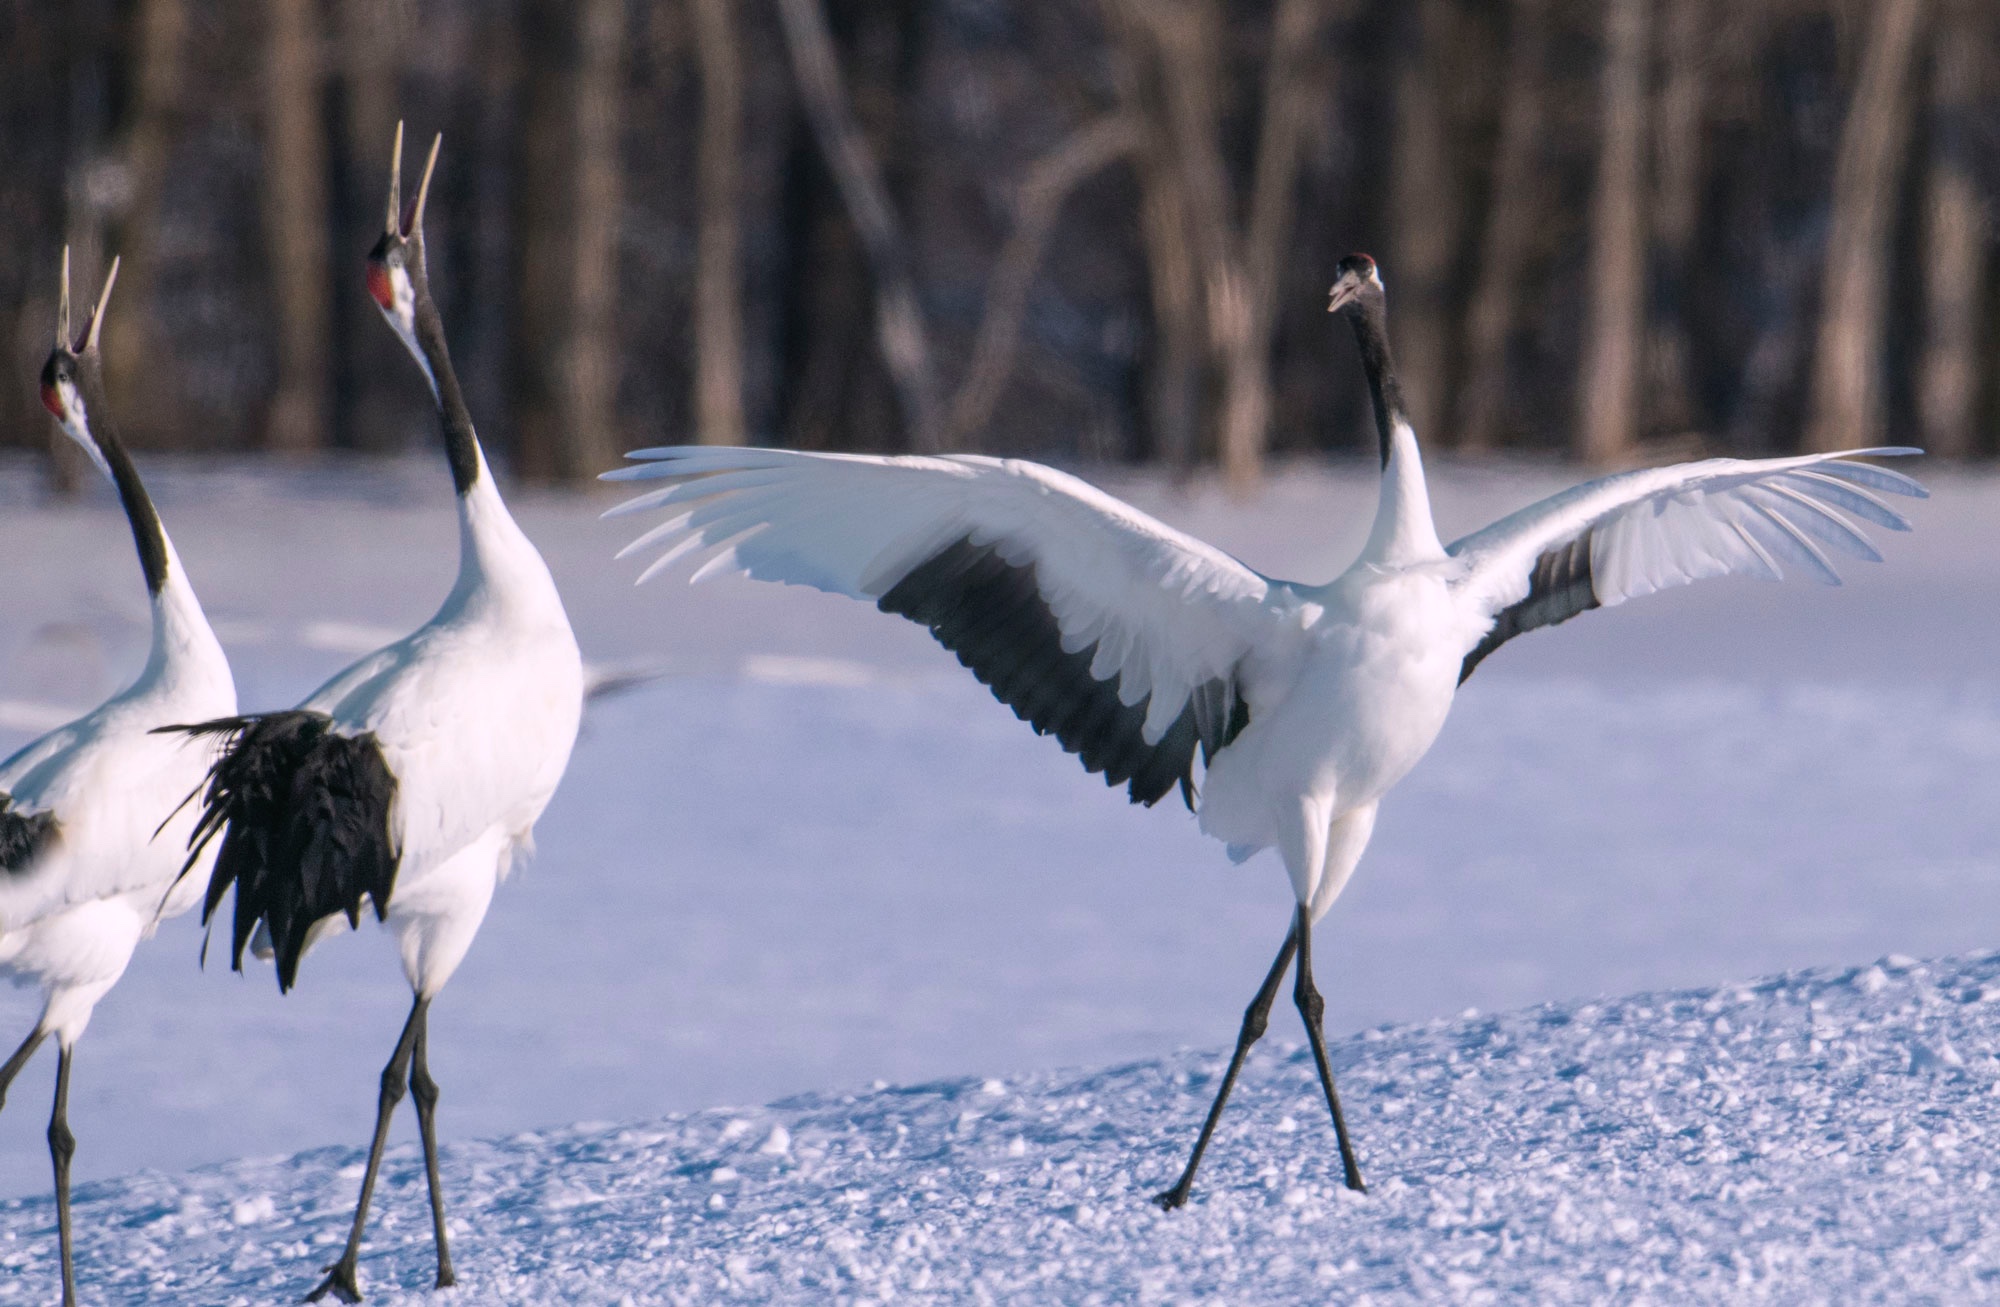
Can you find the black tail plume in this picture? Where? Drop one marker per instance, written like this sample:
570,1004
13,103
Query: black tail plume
304,819
23,836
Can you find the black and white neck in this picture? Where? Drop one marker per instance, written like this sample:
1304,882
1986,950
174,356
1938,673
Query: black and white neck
184,650
73,389
1403,531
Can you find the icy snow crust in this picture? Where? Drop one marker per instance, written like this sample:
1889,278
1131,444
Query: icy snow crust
1824,1135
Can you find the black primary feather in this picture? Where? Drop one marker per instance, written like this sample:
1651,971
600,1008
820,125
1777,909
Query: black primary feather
992,615
1559,589
23,836
304,818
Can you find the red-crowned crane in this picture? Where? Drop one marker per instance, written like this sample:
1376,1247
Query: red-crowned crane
409,782
1138,647
82,877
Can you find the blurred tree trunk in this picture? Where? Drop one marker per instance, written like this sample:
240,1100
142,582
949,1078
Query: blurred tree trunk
899,318
1954,235
1425,213
718,300
567,205
1295,92
1183,41
144,390
1608,387
1173,365
1676,209
295,214
1847,407
369,39
1511,216
1048,184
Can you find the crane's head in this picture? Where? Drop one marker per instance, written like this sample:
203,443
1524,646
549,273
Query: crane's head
1355,279
396,276
72,367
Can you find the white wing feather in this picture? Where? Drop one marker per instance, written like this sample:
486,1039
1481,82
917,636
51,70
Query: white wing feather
1166,612
1663,527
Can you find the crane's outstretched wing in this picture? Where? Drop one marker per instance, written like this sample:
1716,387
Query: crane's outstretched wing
1115,633
1622,536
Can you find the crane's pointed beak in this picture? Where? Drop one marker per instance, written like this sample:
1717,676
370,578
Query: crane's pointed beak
62,308
1345,292
95,326
414,228
393,226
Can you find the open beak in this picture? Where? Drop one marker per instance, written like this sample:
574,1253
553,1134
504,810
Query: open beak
62,310
409,224
1344,293
88,341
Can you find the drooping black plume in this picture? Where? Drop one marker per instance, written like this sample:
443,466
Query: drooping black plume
23,836
304,817
992,615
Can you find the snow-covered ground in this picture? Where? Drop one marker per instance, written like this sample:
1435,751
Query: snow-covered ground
1821,1136
815,855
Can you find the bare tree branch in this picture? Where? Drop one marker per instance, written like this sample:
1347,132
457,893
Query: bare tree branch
1049,183
899,318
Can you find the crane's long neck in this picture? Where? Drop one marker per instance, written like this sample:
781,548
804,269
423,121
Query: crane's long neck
1403,531
496,560
461,442
184,652
148,536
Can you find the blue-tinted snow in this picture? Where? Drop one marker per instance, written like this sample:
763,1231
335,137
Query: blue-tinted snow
1819,1136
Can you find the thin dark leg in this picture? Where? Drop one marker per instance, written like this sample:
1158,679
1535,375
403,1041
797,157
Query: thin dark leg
425,1091
1312,1007
1255,1018
19,1060
62,1147
340,1278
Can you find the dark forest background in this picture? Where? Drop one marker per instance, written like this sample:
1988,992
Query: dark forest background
1072,229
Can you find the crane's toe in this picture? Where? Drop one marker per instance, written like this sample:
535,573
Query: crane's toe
339,1282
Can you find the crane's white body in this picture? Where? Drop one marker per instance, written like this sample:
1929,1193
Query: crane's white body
70,920
1347,684
475,713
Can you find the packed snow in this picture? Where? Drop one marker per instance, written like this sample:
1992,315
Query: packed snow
813,855
1817,1135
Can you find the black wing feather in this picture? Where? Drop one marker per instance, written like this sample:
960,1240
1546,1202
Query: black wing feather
23,836
304,817
992,615
1559,589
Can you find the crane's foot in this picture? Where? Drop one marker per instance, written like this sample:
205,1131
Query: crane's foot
445,1278
339,1282
1172,1199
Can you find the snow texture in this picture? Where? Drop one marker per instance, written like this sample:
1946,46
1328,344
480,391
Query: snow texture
815,855
1820,1134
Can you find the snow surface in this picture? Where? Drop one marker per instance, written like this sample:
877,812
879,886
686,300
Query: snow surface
1820,1136
815,854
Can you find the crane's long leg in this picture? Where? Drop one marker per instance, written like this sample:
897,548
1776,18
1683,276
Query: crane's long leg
340,1277
19,1060
62,1147
425,1091
1255,1018
1312,1007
